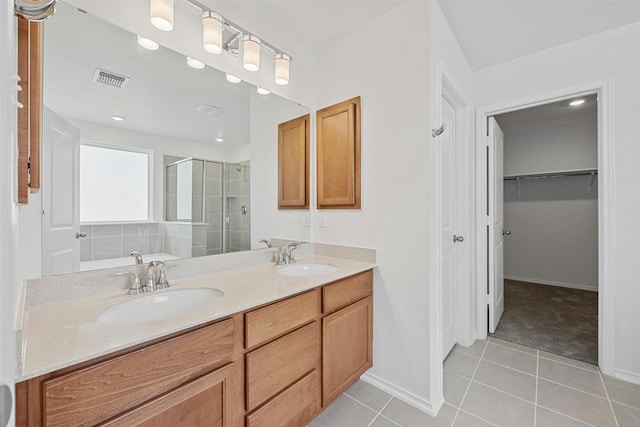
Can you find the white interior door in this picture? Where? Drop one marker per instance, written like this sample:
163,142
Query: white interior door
60,195
447,205
496,224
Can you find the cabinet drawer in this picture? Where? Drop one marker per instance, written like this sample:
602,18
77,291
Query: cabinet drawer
277,365
347,291
293,407
99,392
269,322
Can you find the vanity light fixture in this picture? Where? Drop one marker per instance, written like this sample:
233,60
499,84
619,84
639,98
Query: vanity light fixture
251,53
212,27
262,91
148,43
194,63
220,34
282,62
118,118
232,79
577,102
161,14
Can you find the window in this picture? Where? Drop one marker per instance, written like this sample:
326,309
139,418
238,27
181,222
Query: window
114,184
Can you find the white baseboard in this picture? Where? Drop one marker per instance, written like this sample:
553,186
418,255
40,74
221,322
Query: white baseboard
632,377
406,396
550,283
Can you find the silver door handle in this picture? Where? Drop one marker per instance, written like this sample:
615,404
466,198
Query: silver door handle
506,233
79,235
457,238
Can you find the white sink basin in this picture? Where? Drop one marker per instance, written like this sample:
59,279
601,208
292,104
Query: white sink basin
160,305
307,269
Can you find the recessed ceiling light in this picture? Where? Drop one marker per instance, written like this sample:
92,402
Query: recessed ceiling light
233,79
118,118
148,43
194,63
219,139
262,91
576,102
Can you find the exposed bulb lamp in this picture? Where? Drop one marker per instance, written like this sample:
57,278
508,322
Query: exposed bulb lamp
282,62
212,26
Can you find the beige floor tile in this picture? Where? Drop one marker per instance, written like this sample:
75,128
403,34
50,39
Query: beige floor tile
575,404
571,376
455,387
474,350
546,418
467,420
512,358
381,421
369,395
408,416
626,415
568,361
622,391
497,407
344,411
513,345
508,380
461,363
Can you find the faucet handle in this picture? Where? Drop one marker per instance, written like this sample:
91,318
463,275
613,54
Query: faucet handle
136,287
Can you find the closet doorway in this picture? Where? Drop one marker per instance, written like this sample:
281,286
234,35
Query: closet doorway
543,209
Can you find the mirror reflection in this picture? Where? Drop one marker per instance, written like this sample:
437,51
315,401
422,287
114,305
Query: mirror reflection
145,151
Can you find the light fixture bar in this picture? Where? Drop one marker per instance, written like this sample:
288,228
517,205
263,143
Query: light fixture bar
237,28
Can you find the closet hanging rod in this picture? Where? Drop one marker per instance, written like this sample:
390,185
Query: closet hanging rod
546,175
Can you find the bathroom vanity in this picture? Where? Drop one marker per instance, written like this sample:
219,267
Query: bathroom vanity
272,352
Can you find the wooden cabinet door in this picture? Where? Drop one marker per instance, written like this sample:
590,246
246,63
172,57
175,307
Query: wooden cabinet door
346,348
204,402
338,141
293,164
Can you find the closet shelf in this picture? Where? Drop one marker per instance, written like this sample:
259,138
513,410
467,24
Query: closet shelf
554,174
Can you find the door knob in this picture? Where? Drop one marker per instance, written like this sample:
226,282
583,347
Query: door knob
457,238
79,235
506,232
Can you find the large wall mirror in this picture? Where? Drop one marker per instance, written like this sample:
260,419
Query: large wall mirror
142,152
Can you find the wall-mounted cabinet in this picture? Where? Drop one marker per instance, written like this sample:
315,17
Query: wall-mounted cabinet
293,164
338,145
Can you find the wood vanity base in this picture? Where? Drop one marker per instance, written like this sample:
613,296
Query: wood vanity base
276,365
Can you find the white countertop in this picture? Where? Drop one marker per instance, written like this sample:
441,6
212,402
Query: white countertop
62,333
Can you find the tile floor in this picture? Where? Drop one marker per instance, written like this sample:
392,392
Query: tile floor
498,383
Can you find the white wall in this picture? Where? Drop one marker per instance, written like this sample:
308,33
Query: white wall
266,112
553,222
560,147
9,271
613,54
391,74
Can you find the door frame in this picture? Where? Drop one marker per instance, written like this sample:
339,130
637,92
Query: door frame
445,87
606,208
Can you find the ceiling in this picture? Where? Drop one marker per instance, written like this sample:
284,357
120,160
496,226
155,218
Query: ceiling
549,115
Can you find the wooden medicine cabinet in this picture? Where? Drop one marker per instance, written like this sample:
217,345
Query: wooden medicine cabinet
338,139
293,164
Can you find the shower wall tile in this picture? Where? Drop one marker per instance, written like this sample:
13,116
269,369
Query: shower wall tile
107,247
107,230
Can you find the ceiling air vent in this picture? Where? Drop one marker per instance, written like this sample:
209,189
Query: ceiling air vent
110,79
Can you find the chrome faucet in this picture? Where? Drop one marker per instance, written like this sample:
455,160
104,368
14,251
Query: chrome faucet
137,257
136,288
287,253
266,242
150,283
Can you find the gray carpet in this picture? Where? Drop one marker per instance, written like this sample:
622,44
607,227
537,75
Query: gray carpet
557,320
